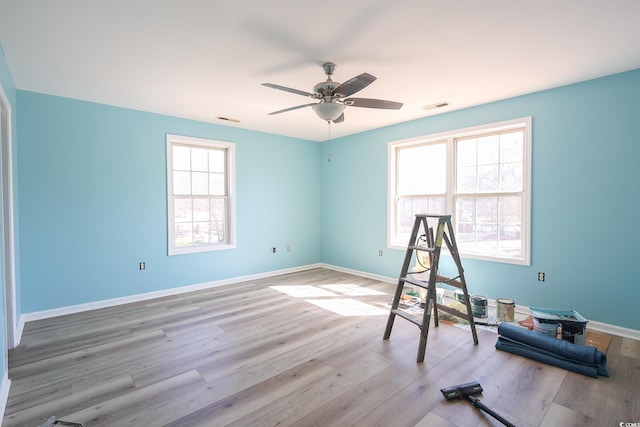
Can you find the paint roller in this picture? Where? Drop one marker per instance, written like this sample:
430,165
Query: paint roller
467,391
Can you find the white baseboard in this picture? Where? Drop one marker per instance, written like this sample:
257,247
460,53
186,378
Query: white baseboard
359,273
17,335
520,309
614,330
46,314
593,325
4,393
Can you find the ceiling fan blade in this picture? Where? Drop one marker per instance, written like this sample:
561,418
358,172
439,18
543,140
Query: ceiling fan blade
354,85
288,89
291,108
340,119
373,103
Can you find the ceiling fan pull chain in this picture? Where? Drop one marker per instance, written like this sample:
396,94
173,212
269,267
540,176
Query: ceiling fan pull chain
329,140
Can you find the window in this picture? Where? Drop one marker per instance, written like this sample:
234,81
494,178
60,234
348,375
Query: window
200,194
480,176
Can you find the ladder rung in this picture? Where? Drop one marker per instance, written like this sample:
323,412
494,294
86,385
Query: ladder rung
449,281
446,217
419,283
411,318
421,248
454,312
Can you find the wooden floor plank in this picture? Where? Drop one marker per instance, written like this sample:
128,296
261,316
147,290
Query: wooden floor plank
249,354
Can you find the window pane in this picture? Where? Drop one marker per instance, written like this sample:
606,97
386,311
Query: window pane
488,178
487,210
466,152
183,234
200,183
489,150
407,209
511,147
217,184
200,233
216,161
182,183
218,210
201,210
183,210
467,181
199,159
218,231
511,177
422,169
466,210
510,210
181,158
490,225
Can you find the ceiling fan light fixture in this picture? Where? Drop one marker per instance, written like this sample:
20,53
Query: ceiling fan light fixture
328,111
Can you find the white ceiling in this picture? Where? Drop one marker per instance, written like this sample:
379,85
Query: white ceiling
203,59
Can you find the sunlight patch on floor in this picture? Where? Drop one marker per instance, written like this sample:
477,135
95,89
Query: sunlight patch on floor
348,307
340,305
352,290
304,291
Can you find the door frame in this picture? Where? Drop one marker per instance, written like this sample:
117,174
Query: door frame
7,221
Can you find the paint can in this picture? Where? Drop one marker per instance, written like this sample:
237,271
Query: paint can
479,306
505,309
458,295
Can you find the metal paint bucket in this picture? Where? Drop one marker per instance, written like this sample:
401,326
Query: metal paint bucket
458,295
505,309
479,306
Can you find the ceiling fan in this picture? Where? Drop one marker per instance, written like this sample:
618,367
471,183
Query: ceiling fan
333,96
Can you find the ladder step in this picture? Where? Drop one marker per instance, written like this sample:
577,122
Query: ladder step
411,318
421,248
449,281
415,282
454,312
445,217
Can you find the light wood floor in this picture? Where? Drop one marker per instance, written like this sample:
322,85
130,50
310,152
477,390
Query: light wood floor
250,355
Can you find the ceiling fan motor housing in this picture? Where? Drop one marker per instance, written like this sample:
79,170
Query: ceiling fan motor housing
325,88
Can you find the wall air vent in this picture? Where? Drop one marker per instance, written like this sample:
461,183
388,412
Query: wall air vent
227,119
434,106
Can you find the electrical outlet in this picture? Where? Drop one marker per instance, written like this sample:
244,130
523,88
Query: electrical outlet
142,265
380,252
273,250
289,248
540,277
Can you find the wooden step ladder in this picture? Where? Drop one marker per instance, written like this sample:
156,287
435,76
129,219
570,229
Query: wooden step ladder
431,253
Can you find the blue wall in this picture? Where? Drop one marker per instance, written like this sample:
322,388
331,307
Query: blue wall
585,170
92,201
93,179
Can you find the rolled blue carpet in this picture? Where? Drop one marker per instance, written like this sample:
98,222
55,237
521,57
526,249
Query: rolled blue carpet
582,359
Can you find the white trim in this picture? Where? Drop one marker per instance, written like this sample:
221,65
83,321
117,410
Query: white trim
359,273
19,330
614,330
47,314
449,137
520,309
10,259
230,148
4,393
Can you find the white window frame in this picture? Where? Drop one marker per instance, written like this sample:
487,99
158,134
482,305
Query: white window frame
230,225
450,137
